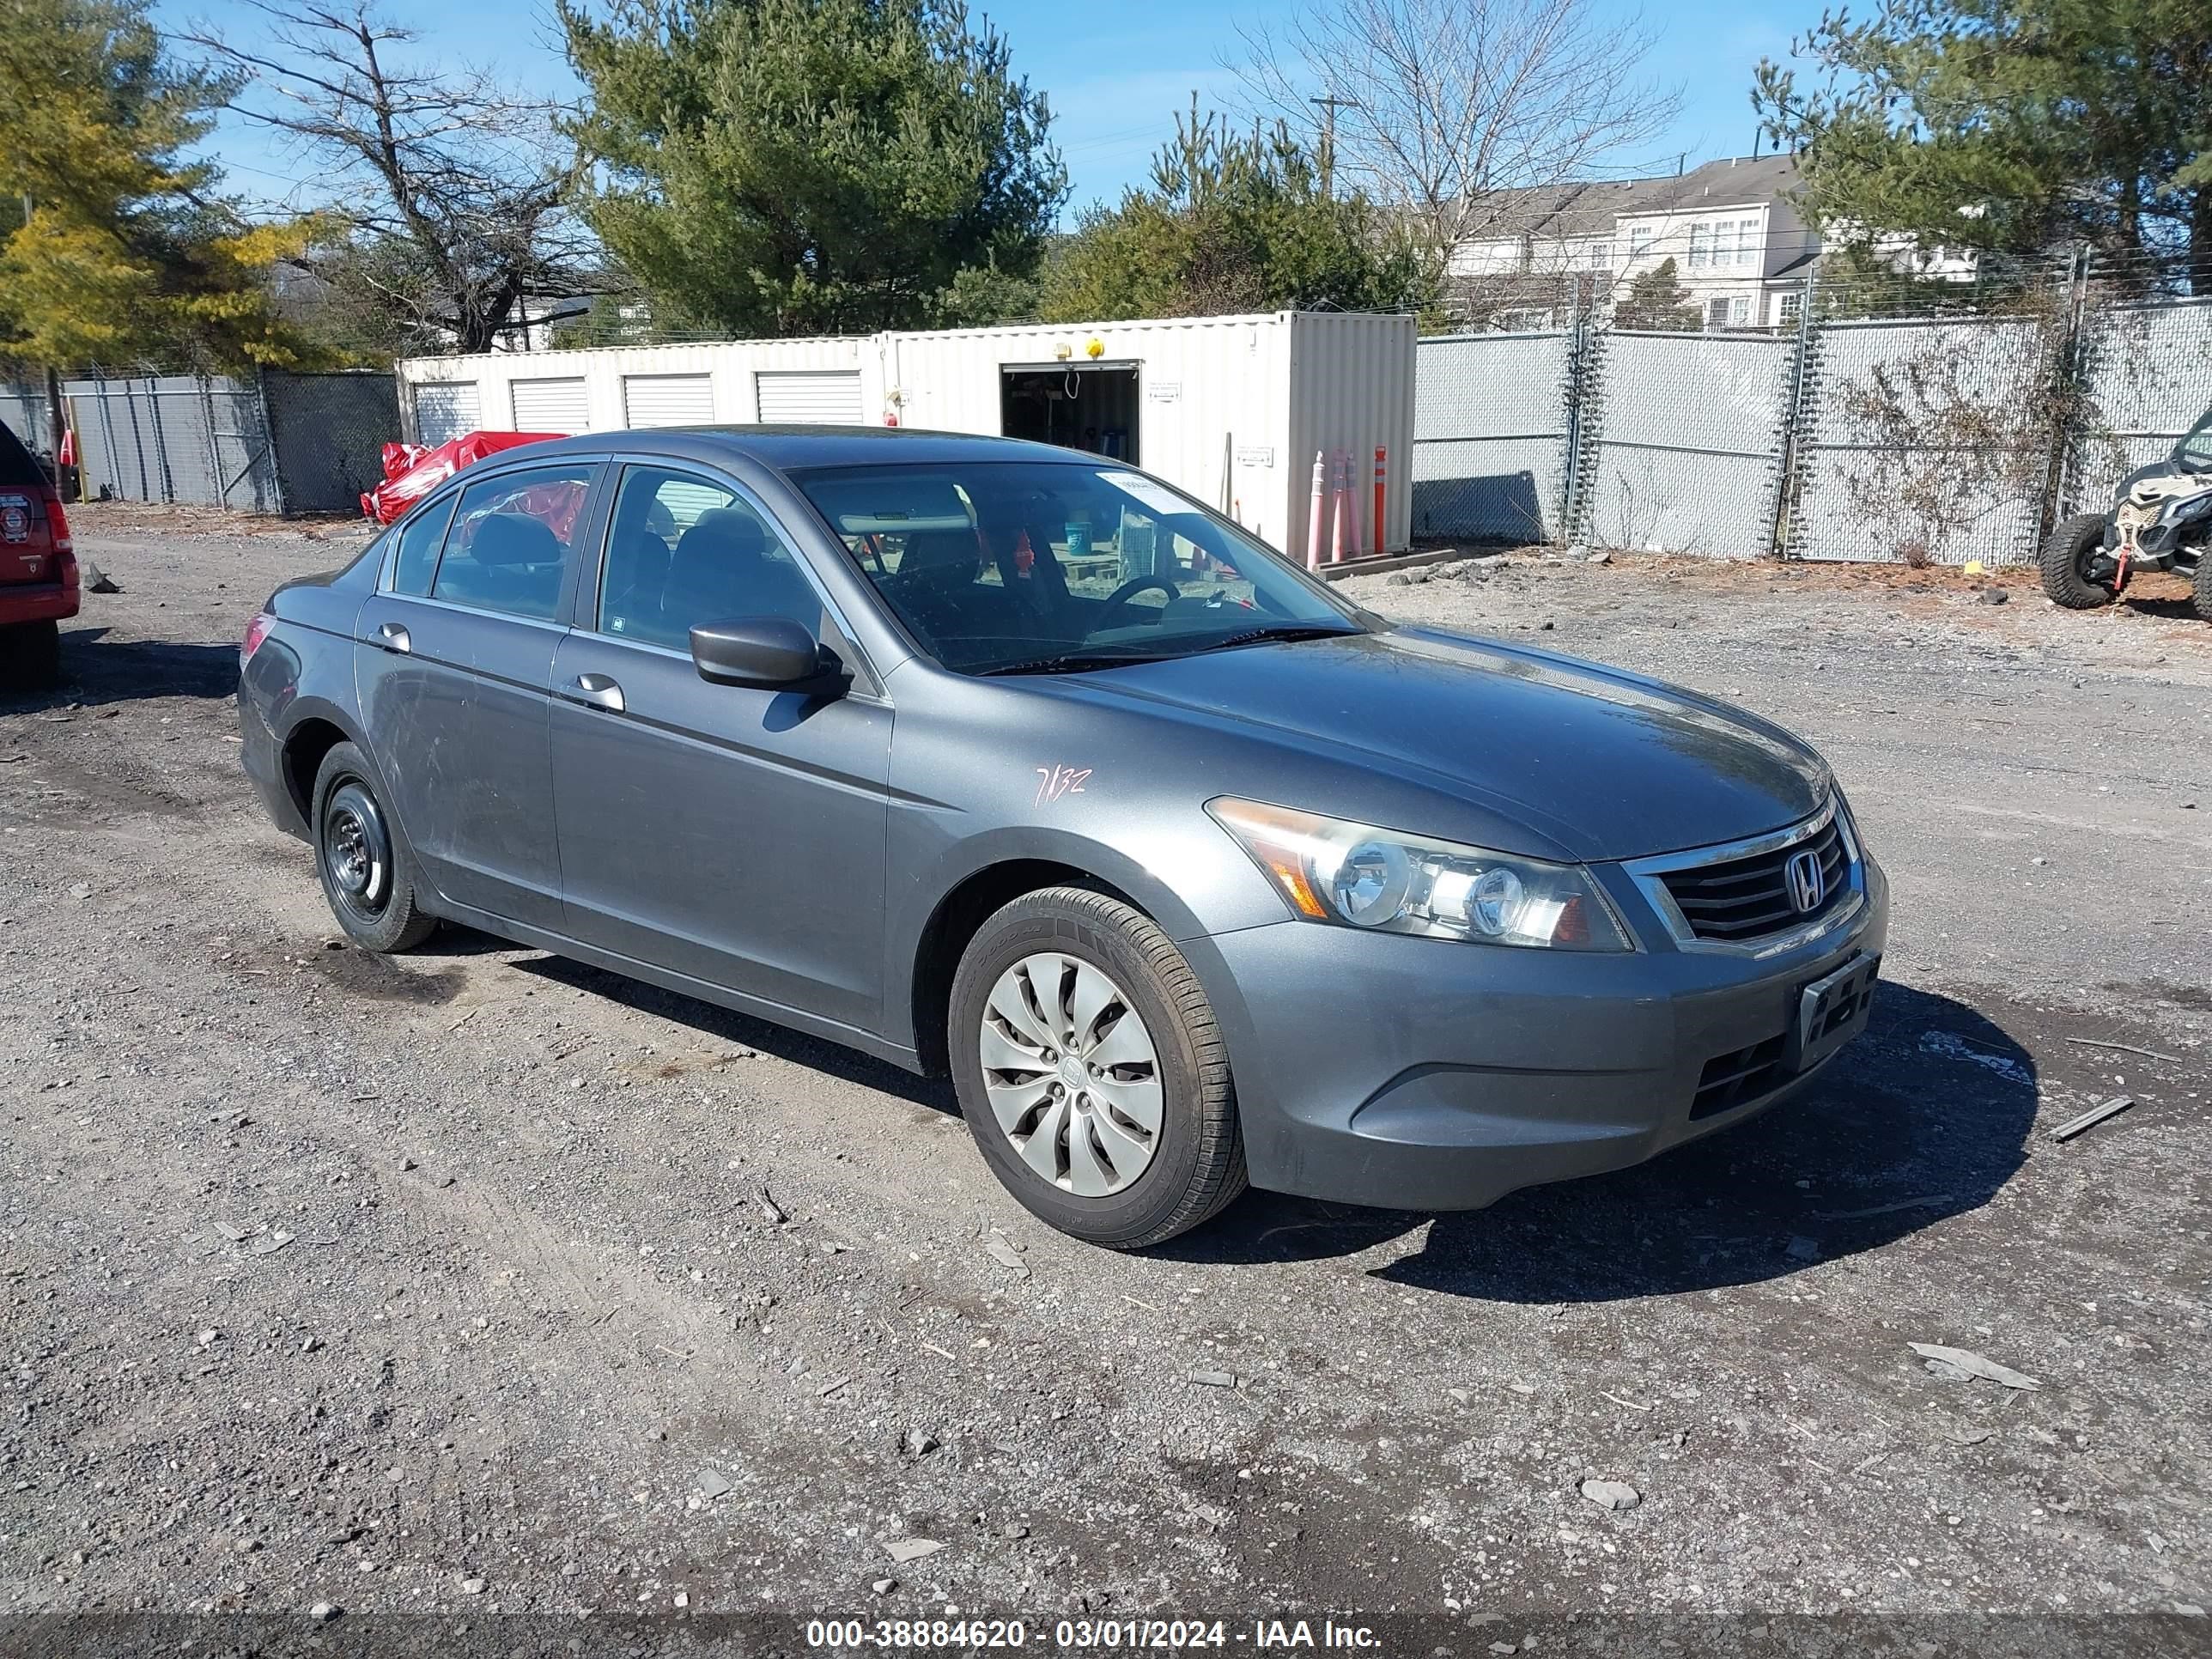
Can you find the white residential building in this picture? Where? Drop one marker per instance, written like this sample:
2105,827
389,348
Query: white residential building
1741,251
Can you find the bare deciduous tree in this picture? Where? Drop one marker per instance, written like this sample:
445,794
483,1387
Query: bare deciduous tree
1445,109
454,191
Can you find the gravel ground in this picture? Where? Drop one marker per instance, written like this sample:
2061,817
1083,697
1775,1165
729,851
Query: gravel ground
480,1280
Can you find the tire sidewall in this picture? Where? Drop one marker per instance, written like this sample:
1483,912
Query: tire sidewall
2062,580
345,763
1025,928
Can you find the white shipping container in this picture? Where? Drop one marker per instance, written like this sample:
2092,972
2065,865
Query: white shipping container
1232,409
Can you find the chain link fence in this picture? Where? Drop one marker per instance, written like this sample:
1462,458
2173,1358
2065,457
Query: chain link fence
1912,422
280,442
1493,435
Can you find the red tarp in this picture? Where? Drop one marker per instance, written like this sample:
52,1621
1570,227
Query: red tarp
411,472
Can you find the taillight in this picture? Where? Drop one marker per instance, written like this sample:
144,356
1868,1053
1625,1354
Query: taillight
256,631
58,522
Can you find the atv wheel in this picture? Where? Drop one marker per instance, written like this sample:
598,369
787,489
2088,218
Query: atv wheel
2201,588
2073,542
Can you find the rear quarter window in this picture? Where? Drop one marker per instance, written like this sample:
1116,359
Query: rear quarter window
18,469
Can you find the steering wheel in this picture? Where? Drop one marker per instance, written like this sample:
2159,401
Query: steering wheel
1128,591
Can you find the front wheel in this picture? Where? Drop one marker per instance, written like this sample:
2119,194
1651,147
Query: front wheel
2074,542
2201,587
363,858
1091,1072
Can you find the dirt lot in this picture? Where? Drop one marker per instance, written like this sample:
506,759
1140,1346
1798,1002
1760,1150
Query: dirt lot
448,1284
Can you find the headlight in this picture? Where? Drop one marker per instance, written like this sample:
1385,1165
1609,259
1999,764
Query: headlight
1331,871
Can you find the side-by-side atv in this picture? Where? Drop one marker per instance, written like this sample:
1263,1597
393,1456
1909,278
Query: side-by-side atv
2161,520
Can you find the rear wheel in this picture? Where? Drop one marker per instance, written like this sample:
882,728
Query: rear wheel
2073,542
31,654
1091,1072
368,874
2201,589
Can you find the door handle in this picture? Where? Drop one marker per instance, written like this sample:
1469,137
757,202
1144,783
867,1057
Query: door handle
393,637
598,690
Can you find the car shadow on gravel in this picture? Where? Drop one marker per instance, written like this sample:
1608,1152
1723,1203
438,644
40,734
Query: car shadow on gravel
98,670
1925,1117
742,1030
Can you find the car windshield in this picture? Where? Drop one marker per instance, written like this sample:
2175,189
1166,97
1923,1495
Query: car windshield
1037,567
2195,451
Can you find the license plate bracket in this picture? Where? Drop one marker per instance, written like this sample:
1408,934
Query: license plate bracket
1833,1009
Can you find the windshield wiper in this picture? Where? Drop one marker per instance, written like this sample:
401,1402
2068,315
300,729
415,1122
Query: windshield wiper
1277,631
1070,662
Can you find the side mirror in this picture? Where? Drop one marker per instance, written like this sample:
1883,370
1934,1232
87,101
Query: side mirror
770,652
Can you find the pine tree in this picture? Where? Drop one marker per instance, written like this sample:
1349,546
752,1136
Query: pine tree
125,249
798,167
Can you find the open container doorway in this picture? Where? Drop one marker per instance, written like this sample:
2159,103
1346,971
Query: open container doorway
1089,406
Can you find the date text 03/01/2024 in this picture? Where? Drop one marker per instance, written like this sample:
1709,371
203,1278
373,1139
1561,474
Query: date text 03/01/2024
1162,1634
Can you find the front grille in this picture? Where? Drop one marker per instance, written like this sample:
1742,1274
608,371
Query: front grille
1747,898
1740,1075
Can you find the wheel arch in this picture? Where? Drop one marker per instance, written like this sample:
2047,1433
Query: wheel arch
314,730
971,900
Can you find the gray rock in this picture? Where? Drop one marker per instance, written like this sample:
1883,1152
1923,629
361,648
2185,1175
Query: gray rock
1996,596
1612,1494
713,1485
1398,579
1214,1379
918,1443
322,1613
472,1586
884,1586
903,1550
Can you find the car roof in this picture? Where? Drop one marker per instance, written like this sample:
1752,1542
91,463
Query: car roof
797,448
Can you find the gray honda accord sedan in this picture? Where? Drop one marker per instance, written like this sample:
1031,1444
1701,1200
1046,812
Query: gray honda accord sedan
1016,763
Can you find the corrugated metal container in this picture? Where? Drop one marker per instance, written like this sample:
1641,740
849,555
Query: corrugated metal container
1232,409
626,385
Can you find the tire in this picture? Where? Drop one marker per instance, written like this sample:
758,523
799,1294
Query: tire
367,871
31,655
2071,540
1179,1172
2201,586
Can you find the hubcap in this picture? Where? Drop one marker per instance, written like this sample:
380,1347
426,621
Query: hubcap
1072,1074
356,851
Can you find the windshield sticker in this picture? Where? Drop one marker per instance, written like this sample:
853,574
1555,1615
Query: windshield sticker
1053,781
1156,496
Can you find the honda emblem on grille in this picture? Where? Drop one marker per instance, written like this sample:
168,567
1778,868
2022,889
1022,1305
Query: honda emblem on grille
1808,883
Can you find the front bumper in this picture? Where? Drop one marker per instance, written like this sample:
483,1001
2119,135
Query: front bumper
1416,1073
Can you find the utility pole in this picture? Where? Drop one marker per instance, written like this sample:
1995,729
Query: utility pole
1329,105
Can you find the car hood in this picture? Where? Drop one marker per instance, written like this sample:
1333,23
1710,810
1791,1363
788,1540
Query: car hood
1599,763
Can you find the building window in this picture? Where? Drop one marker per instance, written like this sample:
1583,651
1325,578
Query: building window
1788,309
1701,246
1600,256
1639,241
1729,311
1747,248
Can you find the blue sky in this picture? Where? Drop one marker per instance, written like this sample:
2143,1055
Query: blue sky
1116,75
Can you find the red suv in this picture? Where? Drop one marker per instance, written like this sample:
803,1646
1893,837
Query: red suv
38,567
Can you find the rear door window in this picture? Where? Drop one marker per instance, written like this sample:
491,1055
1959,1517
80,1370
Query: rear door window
420,537
508,547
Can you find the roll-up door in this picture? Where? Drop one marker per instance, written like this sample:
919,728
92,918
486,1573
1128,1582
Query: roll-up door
668,400
809,396
444,410
552,406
